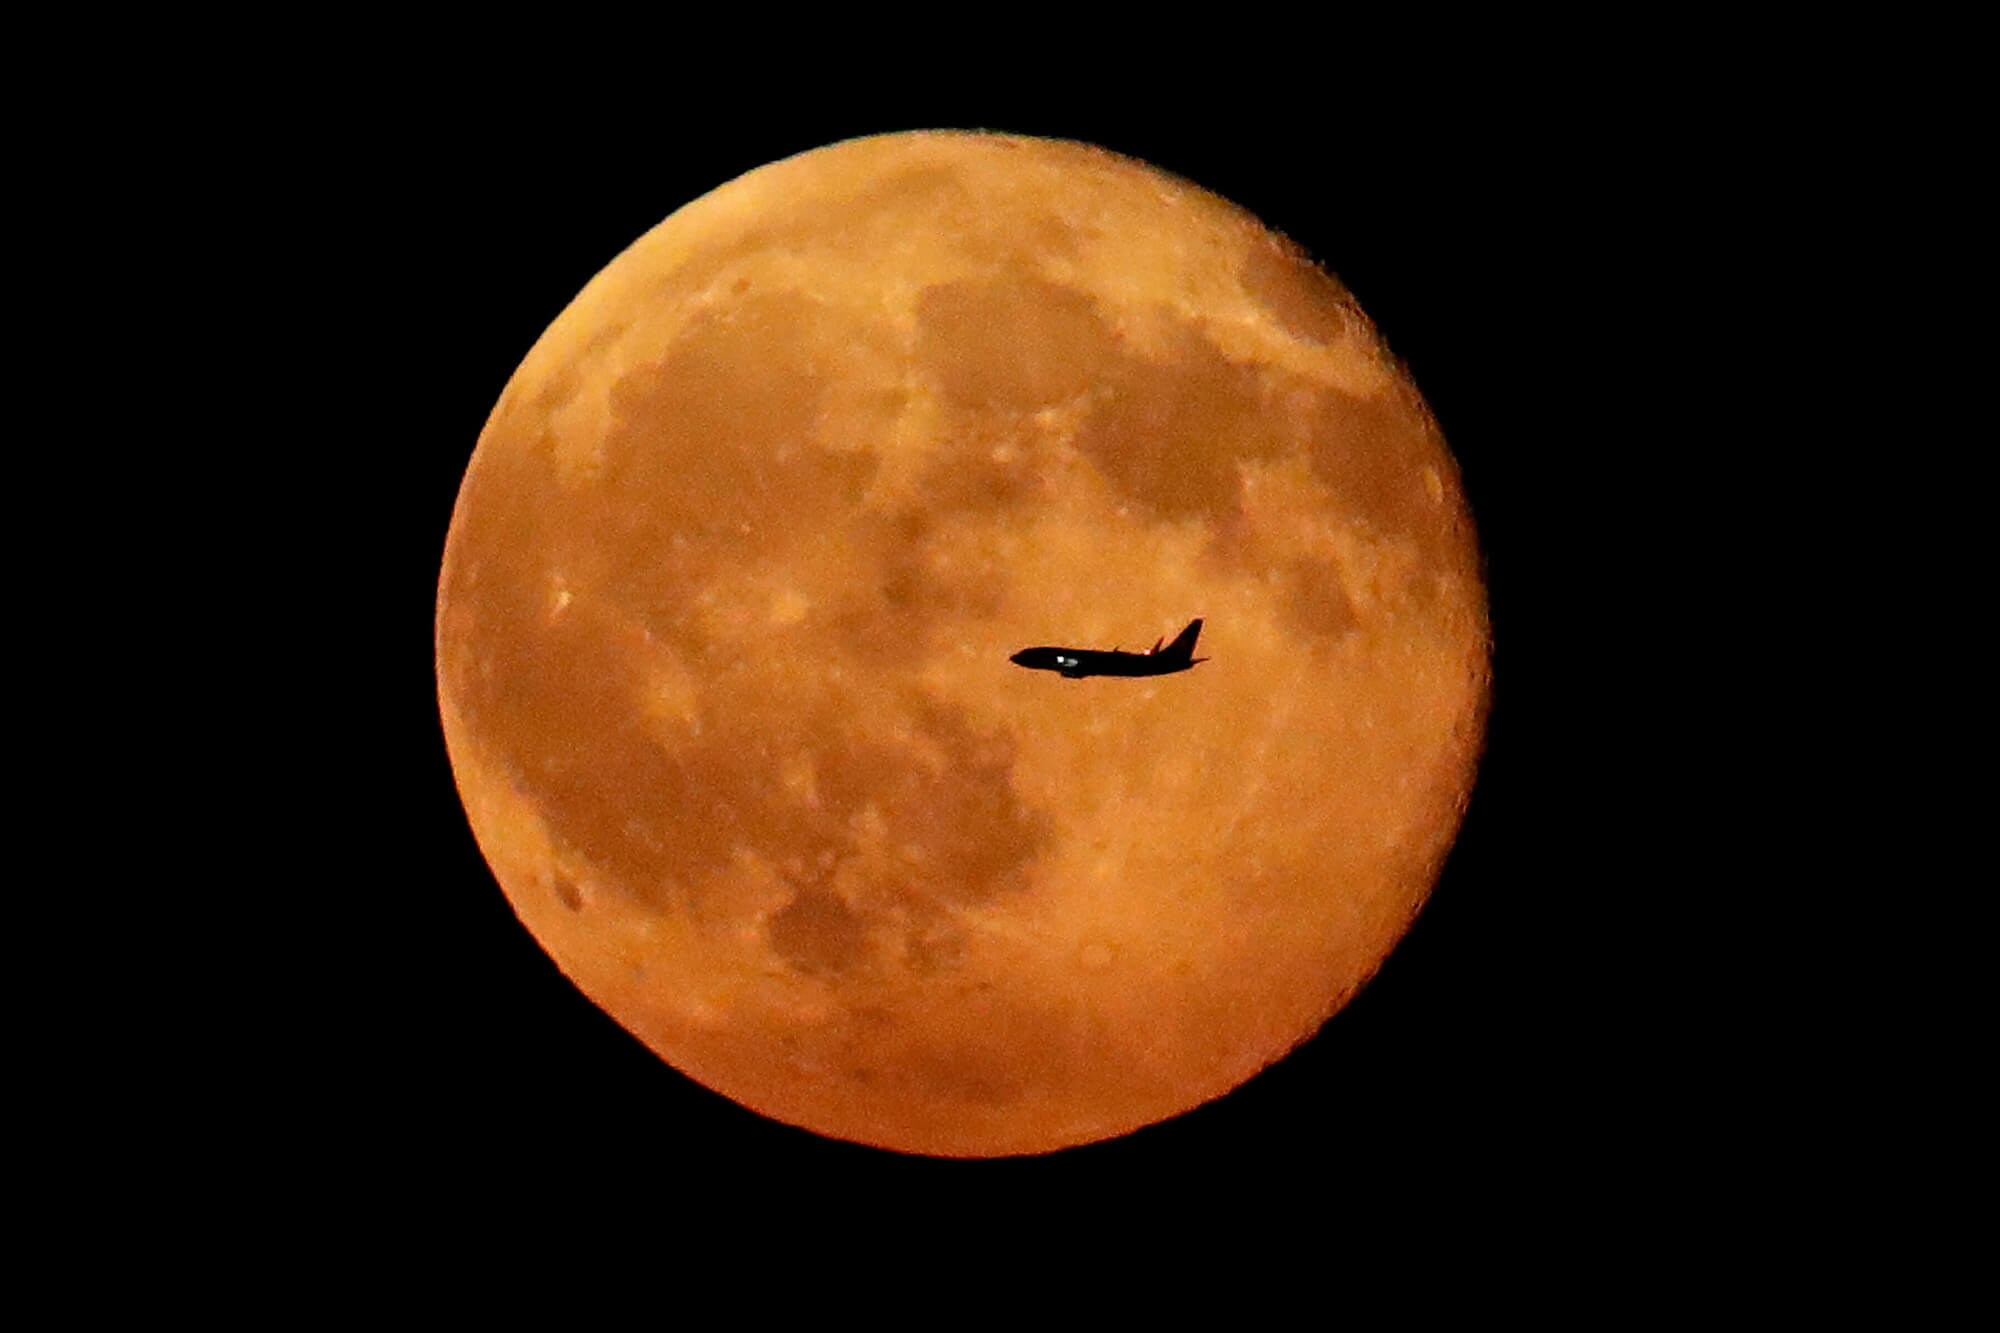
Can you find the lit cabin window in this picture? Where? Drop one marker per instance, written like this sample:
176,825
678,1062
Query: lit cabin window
1065,661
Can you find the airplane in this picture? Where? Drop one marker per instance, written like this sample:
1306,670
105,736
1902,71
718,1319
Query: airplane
1076,663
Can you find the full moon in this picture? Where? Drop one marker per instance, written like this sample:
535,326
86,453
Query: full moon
734,577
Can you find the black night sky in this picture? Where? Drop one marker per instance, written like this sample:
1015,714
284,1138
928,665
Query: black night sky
438,1051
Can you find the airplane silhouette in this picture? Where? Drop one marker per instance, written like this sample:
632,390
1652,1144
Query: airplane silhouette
1076,663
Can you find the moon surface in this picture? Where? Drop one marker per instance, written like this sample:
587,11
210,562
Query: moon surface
733,578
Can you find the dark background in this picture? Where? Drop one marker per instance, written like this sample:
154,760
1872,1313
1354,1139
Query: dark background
1506,1048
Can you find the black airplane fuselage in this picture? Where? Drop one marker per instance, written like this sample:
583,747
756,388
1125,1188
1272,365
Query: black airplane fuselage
1076,663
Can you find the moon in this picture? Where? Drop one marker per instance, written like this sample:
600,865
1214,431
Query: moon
733,579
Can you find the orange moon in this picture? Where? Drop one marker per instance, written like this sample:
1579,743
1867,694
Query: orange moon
734,576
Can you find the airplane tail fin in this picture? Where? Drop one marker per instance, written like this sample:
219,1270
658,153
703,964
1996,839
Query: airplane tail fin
1182,648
